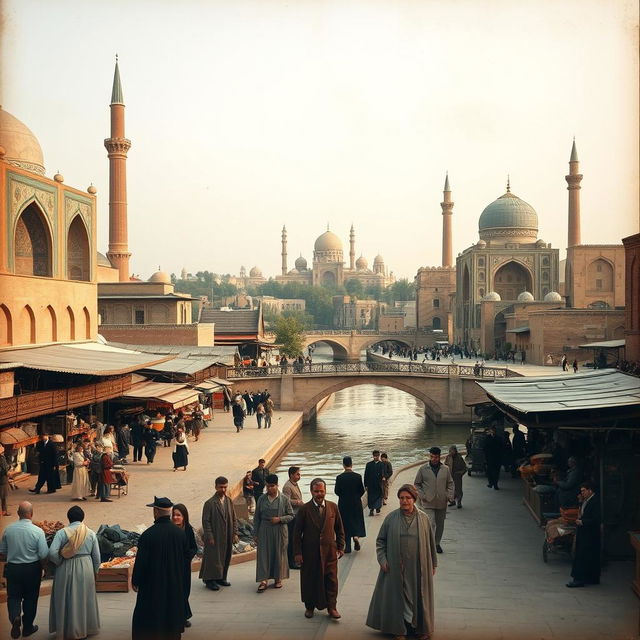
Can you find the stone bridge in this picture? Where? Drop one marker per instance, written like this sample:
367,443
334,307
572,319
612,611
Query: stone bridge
445,389
348,345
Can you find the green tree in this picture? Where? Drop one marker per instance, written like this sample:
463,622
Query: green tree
289,332
354,287
400,290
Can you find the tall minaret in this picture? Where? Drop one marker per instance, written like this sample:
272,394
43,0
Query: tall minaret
352,249
573,182
117,146
284,250
447,207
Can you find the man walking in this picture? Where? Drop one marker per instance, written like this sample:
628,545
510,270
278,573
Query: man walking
158,577
259,478
292,491
373,474
387,472
24,548
220,531
349,489
435,490
458,468
318,542
268,412
49,470
493,457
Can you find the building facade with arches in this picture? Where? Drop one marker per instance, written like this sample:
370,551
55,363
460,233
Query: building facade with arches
48,267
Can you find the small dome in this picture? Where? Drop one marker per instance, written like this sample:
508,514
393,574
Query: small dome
21,147
362,264
553,296
58,177
541,244
103,261
492,296
92,190
328,241
378,260
525,296
481,244
255,272
161,277
301,263
508,212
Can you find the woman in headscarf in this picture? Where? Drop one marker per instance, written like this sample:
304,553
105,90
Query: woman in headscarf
402,601
80,488
73,612
180,451
180,517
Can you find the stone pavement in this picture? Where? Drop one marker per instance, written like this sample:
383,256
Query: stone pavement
219,451
491,584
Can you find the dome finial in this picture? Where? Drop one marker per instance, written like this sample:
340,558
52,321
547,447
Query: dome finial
508,183
117,97
574,151
446,182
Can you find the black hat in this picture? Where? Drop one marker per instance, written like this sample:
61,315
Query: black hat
161,503
435,450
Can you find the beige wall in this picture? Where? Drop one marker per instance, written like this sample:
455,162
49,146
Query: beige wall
435,283
201,335
390,323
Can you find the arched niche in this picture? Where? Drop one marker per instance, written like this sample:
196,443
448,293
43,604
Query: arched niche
71,324
6,326
436,323
33,250
87,323
511,279
27,325
48,326
78,251
600,276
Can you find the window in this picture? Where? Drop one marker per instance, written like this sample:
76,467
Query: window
599,267
139,315
598,282
436,303
481,262
436,323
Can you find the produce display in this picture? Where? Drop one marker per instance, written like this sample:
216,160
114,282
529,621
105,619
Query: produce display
121,563
50,528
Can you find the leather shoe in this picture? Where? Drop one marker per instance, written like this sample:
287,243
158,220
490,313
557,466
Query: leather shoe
213,586
439,548
187,623
15,627
333,613
308,613
356,545
105,500
26,634
223,583
34,491
574,584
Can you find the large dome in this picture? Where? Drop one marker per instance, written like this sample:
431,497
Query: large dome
255,272
160,276
301,263
328,241
509,217
21,147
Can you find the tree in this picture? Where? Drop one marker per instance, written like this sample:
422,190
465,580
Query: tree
354,287
289,331
400,290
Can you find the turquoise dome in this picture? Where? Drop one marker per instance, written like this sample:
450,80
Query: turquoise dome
508,212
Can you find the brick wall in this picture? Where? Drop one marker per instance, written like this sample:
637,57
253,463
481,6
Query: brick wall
185,334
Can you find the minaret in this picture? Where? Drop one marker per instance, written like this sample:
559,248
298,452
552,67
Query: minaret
284,250
117,146
573,182
447,207
352,249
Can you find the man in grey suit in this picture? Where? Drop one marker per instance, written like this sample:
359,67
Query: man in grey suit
435,490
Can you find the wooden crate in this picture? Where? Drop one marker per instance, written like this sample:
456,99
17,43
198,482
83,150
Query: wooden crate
112,587
114,578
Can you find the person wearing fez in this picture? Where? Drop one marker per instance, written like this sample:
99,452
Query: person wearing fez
158,577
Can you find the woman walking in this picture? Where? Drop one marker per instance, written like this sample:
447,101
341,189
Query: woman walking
80,488
180,451
180,517
73,612
273,512
402,602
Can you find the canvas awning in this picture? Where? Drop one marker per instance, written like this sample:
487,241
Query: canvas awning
602,397
519,330
606,344
212,384
177,395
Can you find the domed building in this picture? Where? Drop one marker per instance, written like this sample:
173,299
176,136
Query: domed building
508,265
328,267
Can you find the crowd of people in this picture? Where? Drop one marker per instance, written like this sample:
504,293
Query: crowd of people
250,403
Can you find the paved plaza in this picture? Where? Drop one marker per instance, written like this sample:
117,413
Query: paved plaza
491,584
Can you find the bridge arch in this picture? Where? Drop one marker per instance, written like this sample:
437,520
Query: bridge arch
340,351
432,409
380,339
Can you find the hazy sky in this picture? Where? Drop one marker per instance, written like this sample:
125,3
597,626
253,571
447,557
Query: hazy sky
249,114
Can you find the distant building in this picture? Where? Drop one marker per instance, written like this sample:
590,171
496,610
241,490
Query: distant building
278,305
352,313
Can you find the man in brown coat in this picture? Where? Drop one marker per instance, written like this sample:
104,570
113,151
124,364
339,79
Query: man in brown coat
220,531
318,542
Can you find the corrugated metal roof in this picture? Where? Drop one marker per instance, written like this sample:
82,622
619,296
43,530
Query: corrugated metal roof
606,344
604,388
222,354
235,321
176,394
184,365
88,359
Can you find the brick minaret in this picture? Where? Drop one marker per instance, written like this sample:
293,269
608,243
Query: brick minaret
573,182
117,146
284,250
447,212
352,249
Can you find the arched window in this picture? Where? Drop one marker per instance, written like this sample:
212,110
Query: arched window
465,284
78,260
32,244
328,279
600,276
436,323
436,303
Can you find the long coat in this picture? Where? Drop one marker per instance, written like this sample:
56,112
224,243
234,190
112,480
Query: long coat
273,539
434,490
386,610
48,457
219,523
318,542
349,489
158,573
373,472
586,561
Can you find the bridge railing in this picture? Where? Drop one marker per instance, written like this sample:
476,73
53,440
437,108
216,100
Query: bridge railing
446,370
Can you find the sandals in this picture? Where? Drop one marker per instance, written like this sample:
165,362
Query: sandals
262,587
277,584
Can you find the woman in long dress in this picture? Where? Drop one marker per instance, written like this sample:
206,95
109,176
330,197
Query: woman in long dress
402,600
73,612
180,451
273,513
80,488
180,517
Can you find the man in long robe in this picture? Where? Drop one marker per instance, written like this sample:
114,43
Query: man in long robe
158,578
48,471
318,542
349,489
586,561
373,473
220,531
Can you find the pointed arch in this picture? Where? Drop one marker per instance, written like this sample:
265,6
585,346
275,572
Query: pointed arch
600,275
78,251
49,325
32,244
6,326
71,318
28,325
87,323
511,279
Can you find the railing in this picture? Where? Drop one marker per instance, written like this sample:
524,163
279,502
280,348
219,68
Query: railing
333,368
